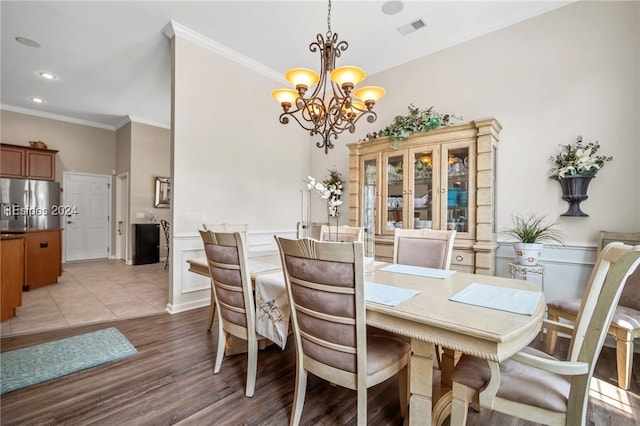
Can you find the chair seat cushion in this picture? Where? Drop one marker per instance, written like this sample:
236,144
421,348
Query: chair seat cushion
384,351
518,382
623,317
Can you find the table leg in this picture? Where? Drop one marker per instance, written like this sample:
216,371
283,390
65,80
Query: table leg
421,382
449,360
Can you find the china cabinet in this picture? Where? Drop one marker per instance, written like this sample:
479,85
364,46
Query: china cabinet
441,179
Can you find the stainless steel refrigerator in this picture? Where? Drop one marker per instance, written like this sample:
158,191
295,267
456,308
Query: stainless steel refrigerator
28,204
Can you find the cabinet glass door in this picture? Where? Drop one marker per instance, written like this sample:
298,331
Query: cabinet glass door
423,187
369,197
457,173
394,193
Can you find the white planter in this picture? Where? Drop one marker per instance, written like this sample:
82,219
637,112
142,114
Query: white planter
527,254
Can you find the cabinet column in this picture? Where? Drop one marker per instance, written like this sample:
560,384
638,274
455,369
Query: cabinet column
486,240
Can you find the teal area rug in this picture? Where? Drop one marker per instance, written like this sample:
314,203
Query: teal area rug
39,363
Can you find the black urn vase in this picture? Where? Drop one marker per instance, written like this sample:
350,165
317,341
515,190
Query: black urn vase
574,191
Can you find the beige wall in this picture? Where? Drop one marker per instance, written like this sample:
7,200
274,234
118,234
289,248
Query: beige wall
80,148
144,153
573,71
233,161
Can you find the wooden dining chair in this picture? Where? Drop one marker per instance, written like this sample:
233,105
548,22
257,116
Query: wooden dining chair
221,227
233,294
535,386
431,249
166,229
325,286
342,233
312,230
625,325
423,247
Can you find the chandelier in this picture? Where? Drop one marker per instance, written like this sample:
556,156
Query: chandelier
329,110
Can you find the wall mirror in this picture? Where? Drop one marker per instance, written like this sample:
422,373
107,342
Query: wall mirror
163,192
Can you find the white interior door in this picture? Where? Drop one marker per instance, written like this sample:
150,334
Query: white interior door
86,234
122,216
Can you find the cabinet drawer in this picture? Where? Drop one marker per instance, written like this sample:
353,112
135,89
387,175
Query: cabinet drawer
463,258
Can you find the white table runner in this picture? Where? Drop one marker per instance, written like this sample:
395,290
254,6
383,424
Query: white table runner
272,308
257,266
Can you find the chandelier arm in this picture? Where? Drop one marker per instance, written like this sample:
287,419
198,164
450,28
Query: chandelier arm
284,119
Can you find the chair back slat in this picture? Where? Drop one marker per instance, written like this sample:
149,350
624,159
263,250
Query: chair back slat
231,281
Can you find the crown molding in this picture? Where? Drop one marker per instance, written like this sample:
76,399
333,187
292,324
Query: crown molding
58,117
173,29
131,119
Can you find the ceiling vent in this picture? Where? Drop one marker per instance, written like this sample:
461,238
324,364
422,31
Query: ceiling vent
412,26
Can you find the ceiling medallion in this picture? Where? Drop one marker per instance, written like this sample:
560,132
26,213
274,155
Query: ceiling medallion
329,110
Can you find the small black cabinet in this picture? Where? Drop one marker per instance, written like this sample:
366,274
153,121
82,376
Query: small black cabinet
146,243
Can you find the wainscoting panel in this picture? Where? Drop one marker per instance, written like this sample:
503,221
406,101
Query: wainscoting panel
188,290
566,273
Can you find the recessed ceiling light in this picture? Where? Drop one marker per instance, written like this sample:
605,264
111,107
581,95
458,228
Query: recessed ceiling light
27,42
392,7
37,100
47,75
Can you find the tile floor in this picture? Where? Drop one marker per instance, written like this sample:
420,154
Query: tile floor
89,292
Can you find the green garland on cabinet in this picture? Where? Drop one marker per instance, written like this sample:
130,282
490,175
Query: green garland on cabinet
418,120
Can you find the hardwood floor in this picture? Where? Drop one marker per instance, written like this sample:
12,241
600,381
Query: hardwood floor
171,381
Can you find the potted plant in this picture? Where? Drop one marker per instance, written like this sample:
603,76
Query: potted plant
573,167
531,232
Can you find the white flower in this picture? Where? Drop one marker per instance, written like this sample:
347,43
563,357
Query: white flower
331,193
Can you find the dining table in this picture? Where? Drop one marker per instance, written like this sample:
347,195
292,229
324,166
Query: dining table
450,309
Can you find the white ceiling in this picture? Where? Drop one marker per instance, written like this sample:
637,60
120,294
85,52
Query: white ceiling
112,60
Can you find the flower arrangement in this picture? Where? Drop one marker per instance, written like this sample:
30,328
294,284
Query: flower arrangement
329,189
579,159
416,121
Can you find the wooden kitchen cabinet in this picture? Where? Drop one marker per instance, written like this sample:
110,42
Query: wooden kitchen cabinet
11,275
43,259
26,162
440,179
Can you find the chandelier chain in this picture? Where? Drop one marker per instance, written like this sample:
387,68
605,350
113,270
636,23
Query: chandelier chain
329,20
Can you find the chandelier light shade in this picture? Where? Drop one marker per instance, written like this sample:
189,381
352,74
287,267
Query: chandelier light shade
322,102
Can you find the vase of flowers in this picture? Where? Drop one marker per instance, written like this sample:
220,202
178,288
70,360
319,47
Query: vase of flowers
329,189
574,166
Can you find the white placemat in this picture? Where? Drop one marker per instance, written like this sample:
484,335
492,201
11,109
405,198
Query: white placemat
501,298
387,294
418,270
